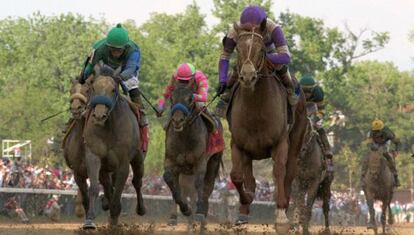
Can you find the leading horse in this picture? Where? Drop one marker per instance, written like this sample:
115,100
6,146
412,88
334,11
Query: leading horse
258,122
111,145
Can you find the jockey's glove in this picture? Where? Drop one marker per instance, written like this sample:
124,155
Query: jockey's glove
82,79
221,88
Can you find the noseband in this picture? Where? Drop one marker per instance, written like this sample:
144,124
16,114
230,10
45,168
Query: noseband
105,100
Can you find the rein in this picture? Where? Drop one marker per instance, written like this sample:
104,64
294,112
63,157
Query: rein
248,60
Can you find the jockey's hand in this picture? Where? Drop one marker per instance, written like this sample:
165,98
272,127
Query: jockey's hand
221,88
394,153
82,79
160,111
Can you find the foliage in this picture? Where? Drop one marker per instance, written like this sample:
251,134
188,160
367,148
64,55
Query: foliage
39,55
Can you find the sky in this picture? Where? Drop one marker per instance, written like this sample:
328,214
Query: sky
393,16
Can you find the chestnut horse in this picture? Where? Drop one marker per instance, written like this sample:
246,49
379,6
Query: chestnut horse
258,121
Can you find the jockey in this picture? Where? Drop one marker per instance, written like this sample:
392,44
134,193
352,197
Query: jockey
381,135
118,50
186,73
314,93
277,54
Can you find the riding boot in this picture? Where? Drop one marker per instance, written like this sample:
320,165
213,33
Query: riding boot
286,79
143,120
326,146
393,168
223,103
136,98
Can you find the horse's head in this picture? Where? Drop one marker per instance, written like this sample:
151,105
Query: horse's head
105,93
374,160
78,98
182,101
251,52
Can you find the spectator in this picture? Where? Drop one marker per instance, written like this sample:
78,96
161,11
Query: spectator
52,208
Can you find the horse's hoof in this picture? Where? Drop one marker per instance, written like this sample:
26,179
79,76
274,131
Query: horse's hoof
200,218
105,203
305,232
185,210
172,222
283,228
141,210
113,221
89,224
327,231
242,219
371,226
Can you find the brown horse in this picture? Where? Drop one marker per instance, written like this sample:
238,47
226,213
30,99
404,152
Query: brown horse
378,185
186,152
111,145
312,180
259,126
73,147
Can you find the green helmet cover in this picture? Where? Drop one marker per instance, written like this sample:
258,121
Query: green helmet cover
117,37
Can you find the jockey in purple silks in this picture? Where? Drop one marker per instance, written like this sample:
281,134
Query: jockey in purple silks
276,49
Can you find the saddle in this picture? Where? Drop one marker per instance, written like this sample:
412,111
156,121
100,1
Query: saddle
215,138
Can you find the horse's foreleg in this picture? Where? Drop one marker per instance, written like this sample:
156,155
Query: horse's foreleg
199,173
82,193
370,203
239,163
93,166
137,165
119,184
213,166
384,215
107,187
313,190
326,196
171,178
279,156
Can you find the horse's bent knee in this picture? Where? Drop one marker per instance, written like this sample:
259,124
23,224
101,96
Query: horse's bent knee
168,176
94,190
236,178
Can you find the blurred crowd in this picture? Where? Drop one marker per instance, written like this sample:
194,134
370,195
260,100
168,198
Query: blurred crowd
18,174
346,208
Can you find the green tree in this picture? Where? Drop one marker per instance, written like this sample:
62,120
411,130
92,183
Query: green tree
39,56
228,11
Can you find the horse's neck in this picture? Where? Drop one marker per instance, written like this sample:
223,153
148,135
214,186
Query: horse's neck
375,162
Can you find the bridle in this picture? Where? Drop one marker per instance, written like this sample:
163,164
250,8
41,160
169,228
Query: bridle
248,59
105,100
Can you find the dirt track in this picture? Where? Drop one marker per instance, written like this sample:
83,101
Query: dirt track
6,227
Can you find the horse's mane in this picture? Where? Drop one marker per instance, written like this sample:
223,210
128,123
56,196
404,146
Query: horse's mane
105,70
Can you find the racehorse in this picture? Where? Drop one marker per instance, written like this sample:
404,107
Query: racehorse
187,141
111,144
258,121
378,185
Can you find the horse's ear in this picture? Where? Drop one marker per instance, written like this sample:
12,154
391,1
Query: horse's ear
263,25
97,69
236,27
117,71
